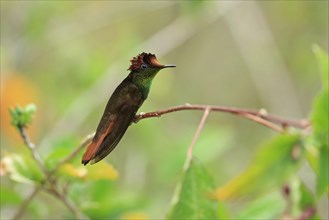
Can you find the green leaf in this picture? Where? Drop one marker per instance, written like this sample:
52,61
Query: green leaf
21,168
322,184
320,119
20,117
55,157
60,150
323,61
320,113
9,196
271,206
99,171
320,123
273,164
191,199
102,170
302,201
223,212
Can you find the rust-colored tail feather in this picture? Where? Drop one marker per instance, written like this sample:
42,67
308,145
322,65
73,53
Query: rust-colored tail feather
89,154
94,145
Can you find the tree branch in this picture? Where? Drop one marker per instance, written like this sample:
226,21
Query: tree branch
259,116
197,133
18,214
263,122
31,147
54,190
67,202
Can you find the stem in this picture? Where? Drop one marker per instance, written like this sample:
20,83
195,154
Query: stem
197,134
259,116
25,203
263,122
31,147
48,176
68,203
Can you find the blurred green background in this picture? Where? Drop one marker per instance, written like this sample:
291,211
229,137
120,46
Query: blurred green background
68,56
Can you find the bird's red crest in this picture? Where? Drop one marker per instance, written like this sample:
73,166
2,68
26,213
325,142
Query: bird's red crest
147,58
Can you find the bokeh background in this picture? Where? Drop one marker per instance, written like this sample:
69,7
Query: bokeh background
68,56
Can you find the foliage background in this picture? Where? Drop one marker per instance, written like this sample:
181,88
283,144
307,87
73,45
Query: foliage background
68,56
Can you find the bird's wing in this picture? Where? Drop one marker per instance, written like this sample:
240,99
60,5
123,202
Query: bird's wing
95,144
113,138
114,122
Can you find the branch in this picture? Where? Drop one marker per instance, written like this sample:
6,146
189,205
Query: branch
197,134
68,203
259,116
263,122
31,147
48,176
25,203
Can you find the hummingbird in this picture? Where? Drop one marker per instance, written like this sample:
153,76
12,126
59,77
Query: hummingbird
122,106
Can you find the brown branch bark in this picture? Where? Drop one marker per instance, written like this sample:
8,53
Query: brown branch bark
197,133
271,120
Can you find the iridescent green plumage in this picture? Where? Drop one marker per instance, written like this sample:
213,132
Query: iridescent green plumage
122,106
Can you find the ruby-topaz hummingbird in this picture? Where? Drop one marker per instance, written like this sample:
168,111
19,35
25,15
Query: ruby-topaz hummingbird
122,106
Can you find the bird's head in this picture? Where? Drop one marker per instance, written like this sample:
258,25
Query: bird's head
146,64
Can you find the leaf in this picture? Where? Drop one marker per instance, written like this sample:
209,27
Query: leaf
9,196
191,199
322,184
134,216
319,118
320,123
102,170
99,171
302,201
60,150
71,171
273,164
223,212
268,207
323,61
21,169
320,113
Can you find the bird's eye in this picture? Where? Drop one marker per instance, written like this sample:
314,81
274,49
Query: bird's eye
143,66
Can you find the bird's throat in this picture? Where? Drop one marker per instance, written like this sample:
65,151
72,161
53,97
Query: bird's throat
144,83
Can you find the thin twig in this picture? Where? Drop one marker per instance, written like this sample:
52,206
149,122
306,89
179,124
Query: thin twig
31,147
67,202
48,177
26,202
284,122
197,133
263,122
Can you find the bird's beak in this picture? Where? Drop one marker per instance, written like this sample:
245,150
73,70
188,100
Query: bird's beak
168,66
